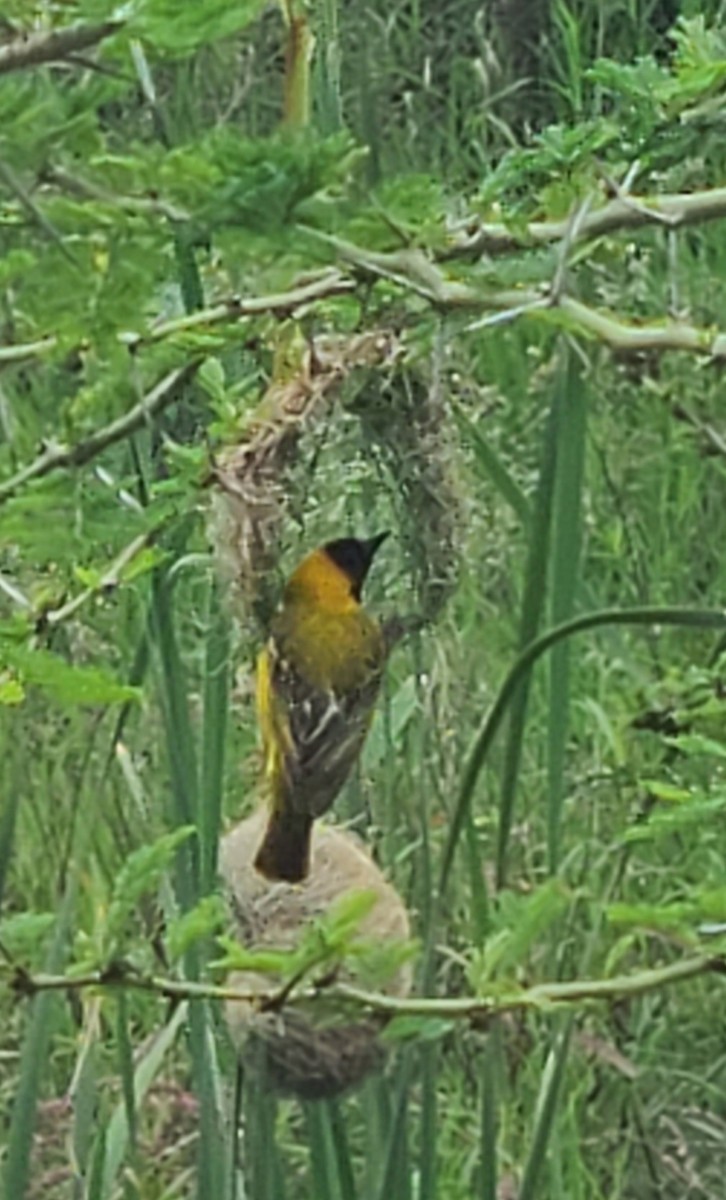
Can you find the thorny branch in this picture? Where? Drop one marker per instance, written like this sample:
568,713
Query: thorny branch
626,212
412,269
236,308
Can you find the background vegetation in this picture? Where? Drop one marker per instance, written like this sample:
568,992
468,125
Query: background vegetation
159,161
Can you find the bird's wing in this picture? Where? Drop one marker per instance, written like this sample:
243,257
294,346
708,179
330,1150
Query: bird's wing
323,735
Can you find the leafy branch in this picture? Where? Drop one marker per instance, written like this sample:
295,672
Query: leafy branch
74,185
55,456
475,1009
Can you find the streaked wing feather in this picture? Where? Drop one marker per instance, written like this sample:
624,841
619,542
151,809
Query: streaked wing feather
326,735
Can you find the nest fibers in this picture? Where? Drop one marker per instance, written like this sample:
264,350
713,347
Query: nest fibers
290,1050
254,477
403,417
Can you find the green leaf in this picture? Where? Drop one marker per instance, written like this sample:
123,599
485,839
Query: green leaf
237,957
205,919
695,744
116,1134
140,874
706,811
522,921
177,31
64,682
11,691
406,1028
24,934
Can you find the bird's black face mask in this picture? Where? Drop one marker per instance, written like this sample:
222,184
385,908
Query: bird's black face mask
354,556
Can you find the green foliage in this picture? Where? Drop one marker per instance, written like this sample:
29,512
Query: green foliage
178,32
522,923
24,935
147,178
199,923
325,946
140,875
63,682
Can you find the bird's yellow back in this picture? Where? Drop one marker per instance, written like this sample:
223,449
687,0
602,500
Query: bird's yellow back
317,680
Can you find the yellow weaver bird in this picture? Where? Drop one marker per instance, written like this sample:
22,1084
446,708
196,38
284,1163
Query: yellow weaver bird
317,680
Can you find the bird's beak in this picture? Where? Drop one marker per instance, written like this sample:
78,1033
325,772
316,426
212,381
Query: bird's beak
374,543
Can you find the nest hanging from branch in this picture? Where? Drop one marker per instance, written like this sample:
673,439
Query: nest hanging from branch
405,418
288,1050
254,477
404,414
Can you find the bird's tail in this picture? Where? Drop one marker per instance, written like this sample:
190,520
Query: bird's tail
284,852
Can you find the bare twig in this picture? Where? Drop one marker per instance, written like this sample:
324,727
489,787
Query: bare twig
624,212
57,456
11,356
33,49
574,226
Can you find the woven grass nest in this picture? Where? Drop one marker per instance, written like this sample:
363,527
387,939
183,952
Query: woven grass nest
289,1051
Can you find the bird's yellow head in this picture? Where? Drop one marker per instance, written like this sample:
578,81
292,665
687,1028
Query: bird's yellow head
333,575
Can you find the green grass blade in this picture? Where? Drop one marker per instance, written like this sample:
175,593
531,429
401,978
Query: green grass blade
328,106
688,618
94,1186
395,1175
427,1187
214,731
83,1093
116,1135
262,1168
488,1130
235,1181
125,1054
533,606
565,569
323,1162
376,1104
34,1060
546,1110
212,1154
479,897
179,734
8,816
339,1135
492,469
